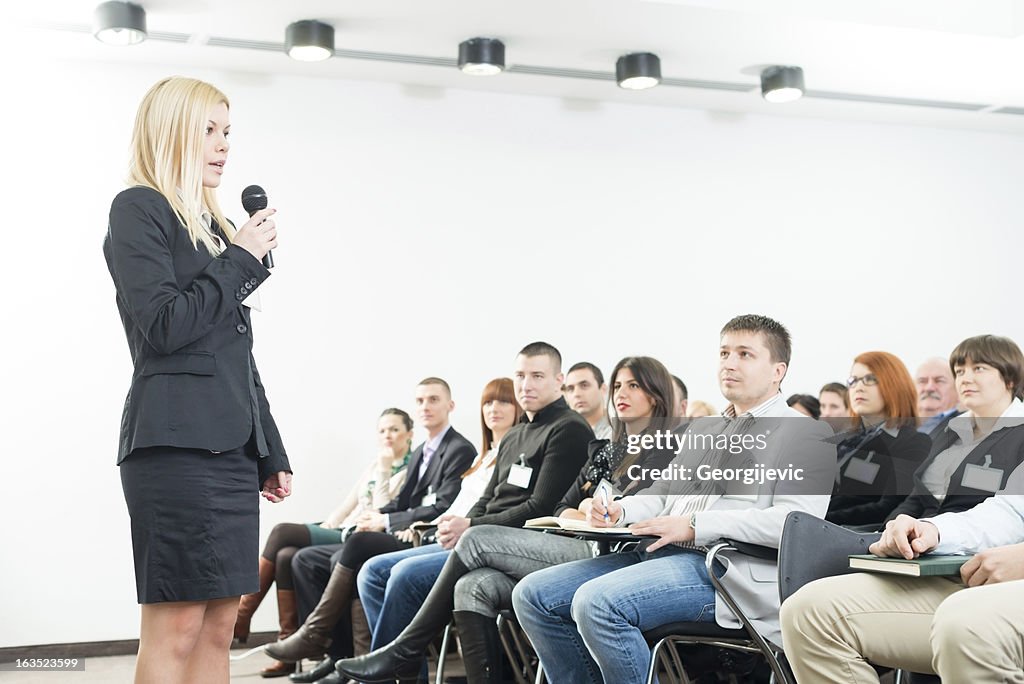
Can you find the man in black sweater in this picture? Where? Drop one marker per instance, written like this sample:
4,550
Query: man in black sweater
538,461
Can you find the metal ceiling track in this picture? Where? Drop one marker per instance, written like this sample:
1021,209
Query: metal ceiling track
558,72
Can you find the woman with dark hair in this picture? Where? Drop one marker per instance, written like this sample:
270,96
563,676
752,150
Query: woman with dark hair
974,455
378,484
833,400
499,411
878,456
805,404
478,577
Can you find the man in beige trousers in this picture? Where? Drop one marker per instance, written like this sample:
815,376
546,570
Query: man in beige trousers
967,633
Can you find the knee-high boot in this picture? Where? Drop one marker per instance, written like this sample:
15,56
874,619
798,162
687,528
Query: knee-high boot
250,602
360,630
288,622
313,638
403,657
481,647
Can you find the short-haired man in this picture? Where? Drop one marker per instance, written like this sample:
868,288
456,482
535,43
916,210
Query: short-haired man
682,398
324,576
587,394
587,618
537,462
936,395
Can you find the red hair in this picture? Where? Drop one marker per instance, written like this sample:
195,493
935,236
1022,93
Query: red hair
895,385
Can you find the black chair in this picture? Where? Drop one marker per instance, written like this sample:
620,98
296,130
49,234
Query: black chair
518,649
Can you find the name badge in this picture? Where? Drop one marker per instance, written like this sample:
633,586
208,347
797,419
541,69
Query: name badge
430,499
520,476
740,496
982,477
862,470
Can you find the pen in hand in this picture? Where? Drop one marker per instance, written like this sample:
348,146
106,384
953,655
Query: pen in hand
604,499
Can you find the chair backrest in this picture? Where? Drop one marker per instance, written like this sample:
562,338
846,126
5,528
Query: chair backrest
812,548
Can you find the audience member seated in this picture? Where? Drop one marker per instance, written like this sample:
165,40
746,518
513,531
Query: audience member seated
324,576
835,406
833,401
936,396
682,396
805,404
974,454
379,483
499,412
478,577
537,462
967,633
698,408
585,392
587,618
878,457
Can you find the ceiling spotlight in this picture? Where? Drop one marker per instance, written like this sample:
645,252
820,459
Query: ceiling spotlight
482,56
309,41
119,23
638,71
782,83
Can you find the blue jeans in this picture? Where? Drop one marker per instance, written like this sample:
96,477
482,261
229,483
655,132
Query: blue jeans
586,618
392,587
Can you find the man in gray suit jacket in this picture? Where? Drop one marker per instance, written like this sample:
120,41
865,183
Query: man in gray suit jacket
737,477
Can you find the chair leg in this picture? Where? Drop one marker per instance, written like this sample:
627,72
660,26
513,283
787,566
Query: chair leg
439,679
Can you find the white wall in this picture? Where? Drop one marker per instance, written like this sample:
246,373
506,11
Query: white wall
436,232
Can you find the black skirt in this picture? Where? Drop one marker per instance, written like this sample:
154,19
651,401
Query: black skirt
195,522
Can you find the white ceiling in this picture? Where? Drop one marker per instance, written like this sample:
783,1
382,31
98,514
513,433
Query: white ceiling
959,51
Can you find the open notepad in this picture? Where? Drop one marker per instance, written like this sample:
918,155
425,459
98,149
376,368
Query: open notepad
550,522
925,566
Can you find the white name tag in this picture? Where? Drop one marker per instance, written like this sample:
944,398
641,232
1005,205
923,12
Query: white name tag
741,496
861,470
429,500
985,479
520,476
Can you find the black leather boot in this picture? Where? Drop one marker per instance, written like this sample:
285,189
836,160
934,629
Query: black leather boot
481,647
403,657
322,669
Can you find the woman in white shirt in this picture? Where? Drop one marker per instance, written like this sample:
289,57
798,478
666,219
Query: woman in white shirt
499,411
379,483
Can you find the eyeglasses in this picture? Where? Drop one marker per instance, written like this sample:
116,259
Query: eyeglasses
869,380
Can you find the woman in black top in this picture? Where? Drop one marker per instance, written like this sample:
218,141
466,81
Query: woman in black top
878,457
197,437
489,560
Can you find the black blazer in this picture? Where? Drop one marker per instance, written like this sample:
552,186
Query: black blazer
194,383
857,503
443,477
1005,446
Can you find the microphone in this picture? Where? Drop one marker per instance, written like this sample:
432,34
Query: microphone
254,198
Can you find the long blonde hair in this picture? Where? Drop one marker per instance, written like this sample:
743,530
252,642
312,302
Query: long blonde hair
167,152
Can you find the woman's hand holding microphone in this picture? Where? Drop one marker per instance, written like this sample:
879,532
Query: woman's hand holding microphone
259,234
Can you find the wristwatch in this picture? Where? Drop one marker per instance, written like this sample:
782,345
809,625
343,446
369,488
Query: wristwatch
693,522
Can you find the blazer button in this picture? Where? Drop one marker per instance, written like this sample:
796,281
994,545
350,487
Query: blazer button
239,296
253,282
248,286
241,328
